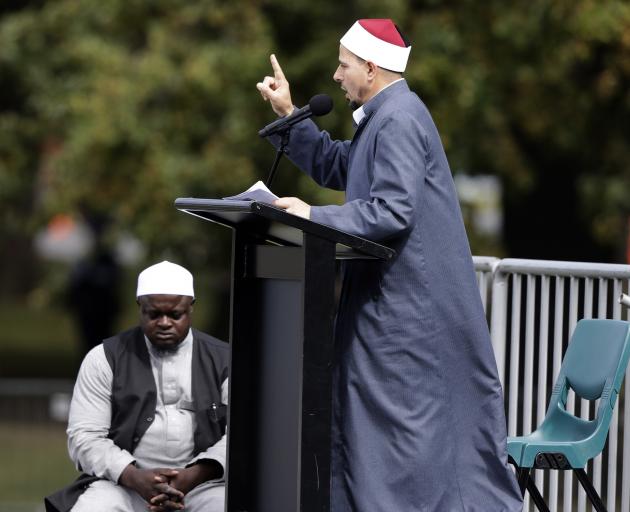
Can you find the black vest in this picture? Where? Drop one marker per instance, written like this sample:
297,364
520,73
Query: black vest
134,399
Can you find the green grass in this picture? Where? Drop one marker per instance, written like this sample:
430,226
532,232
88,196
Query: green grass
43,342
35,463
36,342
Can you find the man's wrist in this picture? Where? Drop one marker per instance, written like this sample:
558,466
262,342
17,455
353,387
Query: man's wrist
286,112
207,469
117,465
126,478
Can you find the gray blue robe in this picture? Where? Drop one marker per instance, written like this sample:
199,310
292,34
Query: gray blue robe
418,417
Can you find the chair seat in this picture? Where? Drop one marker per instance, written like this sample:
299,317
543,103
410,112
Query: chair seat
561,432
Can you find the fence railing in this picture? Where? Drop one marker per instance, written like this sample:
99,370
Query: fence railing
533,306
35,400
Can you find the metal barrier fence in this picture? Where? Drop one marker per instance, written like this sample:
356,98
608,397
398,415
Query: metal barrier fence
35,400
533,306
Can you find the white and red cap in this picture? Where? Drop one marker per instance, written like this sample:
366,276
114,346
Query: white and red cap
165,278
380,42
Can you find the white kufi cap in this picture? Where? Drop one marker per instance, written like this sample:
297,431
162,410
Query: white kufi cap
165,278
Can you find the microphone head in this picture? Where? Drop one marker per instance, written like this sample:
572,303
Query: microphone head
320,104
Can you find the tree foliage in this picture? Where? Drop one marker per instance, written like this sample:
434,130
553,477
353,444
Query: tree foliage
539,94
122,106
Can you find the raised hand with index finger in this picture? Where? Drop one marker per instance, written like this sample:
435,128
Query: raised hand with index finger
276,89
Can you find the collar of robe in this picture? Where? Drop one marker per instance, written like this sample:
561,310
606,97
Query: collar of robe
362,115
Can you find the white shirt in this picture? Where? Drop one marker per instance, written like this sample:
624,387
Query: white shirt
168,442
359,114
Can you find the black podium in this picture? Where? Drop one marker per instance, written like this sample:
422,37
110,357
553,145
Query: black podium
281,335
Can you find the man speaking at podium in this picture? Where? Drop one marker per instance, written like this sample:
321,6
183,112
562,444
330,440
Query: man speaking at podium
418,419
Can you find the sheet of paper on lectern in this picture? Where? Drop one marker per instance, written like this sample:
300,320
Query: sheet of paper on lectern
257,192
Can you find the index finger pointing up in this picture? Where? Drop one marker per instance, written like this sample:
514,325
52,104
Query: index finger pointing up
277,70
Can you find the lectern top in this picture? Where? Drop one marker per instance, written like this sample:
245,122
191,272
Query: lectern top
276,226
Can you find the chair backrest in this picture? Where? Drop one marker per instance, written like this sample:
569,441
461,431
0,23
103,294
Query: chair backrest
597,354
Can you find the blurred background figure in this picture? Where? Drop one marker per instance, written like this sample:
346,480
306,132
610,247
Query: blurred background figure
93,288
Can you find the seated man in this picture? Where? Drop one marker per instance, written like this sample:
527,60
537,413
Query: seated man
148,413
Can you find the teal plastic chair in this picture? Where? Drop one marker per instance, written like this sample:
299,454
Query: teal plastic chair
593,367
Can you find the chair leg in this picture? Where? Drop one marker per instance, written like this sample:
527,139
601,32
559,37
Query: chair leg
525,481
523,477
535,494
590,490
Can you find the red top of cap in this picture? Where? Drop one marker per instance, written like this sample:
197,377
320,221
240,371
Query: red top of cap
384,29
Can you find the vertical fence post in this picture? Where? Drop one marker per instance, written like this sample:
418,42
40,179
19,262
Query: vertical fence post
498,322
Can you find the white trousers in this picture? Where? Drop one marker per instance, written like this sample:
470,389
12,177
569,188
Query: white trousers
106,496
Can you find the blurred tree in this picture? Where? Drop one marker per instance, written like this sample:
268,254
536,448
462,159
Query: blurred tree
126,104
538,93
133,96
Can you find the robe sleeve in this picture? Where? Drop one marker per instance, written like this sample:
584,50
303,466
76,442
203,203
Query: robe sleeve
314,151
90,420
400,158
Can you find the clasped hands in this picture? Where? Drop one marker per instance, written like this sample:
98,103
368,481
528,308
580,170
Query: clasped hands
164,489
275,89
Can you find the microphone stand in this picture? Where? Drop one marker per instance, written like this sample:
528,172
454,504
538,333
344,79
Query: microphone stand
284,141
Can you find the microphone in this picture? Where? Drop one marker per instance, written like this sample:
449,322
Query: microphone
319,105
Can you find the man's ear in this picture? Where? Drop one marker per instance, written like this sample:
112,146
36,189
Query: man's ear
371,69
